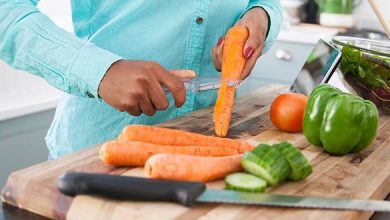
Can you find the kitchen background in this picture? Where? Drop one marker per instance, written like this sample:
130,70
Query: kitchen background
27,102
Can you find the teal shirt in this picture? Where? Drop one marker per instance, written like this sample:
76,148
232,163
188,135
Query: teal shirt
108,30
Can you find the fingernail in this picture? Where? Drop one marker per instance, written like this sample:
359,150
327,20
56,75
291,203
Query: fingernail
249,52
220,41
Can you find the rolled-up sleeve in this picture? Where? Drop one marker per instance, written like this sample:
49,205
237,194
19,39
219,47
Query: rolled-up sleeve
30,41
275,18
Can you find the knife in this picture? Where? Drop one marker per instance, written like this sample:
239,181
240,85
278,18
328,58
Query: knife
186,193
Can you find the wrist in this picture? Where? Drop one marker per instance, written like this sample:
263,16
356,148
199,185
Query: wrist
89,66
110,69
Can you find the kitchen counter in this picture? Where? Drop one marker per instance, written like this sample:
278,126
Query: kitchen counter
23,93
349,176
17,105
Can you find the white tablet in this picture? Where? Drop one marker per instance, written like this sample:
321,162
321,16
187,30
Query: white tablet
318,68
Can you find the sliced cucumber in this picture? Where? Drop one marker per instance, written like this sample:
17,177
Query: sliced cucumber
300,166
250,163
245,182
267,163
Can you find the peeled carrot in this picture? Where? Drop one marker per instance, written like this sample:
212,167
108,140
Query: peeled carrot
135,153
191,168
233,62
166,136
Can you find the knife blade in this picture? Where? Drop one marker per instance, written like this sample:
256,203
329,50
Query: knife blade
201,84
187,193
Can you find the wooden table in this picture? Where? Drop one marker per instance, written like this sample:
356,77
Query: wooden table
364,175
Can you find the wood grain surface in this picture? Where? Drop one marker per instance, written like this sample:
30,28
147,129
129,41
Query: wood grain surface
365,175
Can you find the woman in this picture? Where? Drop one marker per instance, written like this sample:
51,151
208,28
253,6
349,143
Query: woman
114,68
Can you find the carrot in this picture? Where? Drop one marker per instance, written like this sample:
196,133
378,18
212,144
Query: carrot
166,136
233,62
135,153
191,168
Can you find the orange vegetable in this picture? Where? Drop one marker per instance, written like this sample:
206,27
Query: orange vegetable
191,168
166,136
233,62
287,110
135,153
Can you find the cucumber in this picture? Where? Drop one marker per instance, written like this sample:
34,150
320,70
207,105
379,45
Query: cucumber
267,163
300,166
245,182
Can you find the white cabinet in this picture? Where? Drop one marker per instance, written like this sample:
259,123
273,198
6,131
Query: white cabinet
22,142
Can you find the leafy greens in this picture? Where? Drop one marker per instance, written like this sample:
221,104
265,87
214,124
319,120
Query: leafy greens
373,71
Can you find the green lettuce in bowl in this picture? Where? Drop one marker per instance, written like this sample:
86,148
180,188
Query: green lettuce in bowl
368,74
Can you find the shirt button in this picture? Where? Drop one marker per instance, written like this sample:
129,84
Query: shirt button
90,95
199,20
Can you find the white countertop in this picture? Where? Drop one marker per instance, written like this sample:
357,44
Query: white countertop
18,105
23,93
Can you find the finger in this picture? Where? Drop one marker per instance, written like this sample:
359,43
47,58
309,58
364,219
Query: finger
217,54
217,63
158,96
146,106
184,74
255,39
252,44
250,63
175,86
133,109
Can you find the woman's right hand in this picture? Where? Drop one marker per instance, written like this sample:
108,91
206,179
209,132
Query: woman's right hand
136,86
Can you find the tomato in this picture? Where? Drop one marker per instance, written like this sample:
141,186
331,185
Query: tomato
287,110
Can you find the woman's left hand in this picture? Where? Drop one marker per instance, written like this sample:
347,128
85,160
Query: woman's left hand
256,20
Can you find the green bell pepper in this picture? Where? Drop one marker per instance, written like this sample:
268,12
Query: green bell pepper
339,122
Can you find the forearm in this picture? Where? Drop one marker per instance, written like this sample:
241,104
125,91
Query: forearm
30,41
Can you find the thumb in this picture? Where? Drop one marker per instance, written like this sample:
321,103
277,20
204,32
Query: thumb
252,43
184,74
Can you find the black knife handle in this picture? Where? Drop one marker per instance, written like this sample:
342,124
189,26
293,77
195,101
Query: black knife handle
130,188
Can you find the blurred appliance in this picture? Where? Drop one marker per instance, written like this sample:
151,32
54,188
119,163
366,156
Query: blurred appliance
294,10
337,13
311,9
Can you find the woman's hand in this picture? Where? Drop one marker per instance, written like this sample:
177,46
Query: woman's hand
256,20
136,86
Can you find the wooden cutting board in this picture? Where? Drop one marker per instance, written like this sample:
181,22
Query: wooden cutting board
365,175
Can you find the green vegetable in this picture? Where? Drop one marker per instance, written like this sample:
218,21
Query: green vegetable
373,71
267,163
338,121
245,182
300,167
